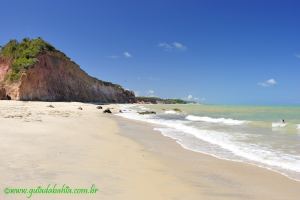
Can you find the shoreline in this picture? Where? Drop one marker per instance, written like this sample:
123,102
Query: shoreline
231,160
252,177
167,127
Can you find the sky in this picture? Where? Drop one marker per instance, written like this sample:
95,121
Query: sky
211,51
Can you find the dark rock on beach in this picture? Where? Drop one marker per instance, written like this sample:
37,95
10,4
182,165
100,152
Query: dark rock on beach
147,113
107,111
177,110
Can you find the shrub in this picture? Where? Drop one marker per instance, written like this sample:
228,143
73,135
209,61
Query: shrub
23,54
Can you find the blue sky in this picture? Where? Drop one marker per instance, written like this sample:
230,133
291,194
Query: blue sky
215,51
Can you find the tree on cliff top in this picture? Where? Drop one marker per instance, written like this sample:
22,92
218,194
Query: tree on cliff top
23,54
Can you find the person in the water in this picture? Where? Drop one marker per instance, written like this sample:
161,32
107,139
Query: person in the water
283,121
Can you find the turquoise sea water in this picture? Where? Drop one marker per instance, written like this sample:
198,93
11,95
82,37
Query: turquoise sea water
251,134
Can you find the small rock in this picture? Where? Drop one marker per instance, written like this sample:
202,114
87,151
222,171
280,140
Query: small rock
177,110
80,108
120,111
107,111
147,113
99,107
50,106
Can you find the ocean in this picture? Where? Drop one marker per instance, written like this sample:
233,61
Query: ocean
250,134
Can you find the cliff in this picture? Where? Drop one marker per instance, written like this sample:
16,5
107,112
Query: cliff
35,70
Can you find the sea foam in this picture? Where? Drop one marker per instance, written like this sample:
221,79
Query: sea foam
278,125
237,150
171,112
226,121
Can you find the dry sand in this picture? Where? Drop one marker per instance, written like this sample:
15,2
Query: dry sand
65,145
124,159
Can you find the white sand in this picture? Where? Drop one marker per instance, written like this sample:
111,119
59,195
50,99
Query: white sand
65,145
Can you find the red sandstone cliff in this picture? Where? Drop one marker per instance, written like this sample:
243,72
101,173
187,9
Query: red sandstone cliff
55,78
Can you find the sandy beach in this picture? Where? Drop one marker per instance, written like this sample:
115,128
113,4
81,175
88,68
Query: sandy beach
124,159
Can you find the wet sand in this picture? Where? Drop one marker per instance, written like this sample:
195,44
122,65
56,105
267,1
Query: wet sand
210,177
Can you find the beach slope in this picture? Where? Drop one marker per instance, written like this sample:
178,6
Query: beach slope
78,145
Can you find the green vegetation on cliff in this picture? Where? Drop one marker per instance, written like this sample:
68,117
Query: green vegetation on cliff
158,100
23,55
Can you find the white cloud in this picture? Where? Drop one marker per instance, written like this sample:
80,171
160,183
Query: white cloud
165,46
172,46
192,98
178,45
268,83
136,93
150,93
127,54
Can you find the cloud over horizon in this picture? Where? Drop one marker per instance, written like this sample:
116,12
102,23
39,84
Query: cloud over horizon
192,98
150,93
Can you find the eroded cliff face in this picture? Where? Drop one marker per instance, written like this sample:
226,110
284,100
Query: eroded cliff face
7,90
4,67
56,78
